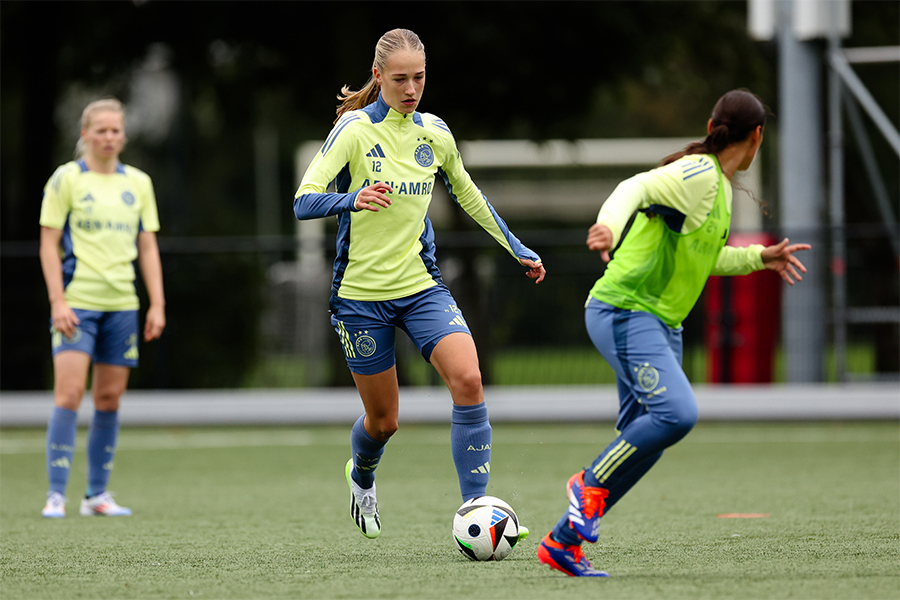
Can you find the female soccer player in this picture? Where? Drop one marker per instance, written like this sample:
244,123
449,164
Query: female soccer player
383,155
634,311
97,217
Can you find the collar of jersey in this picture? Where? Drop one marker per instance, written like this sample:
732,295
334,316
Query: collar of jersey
379,111
82,164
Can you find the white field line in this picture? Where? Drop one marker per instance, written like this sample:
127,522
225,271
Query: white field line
131,440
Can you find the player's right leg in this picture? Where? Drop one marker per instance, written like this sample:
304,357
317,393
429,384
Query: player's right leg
367,336
370,433
70,369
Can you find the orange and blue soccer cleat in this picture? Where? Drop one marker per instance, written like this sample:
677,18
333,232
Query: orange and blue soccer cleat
586,506
568,559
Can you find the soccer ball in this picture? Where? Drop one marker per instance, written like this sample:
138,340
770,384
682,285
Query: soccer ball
485,528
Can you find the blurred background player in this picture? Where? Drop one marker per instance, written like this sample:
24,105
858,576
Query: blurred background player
634,311
97,217
383,157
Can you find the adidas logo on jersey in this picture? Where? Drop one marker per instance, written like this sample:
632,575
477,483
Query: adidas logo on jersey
483,469
376,152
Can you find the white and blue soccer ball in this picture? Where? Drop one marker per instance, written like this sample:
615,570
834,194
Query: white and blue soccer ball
485,528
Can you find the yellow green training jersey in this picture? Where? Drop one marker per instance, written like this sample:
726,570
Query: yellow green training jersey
676,242
100,216
390,254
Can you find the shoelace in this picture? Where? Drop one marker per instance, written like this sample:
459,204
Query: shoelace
367,503
594,500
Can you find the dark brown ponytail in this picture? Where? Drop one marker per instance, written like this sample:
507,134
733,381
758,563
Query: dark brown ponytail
735,116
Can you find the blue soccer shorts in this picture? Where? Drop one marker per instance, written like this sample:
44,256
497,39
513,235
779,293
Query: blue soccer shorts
107,337
366,329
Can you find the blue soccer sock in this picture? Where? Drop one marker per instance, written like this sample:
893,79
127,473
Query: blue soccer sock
367,453
101,449
564,534
470,442
60,447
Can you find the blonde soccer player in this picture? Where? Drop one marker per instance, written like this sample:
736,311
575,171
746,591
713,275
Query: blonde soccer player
97,217
383,155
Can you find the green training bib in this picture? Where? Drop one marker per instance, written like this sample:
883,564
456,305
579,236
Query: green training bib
661,271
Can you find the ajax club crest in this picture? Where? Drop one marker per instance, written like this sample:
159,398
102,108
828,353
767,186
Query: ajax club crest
365,345
424,155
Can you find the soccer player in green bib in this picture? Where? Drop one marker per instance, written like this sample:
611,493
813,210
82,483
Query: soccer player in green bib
382,156
97,217
634,311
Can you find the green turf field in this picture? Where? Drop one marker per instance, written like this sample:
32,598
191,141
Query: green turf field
263,513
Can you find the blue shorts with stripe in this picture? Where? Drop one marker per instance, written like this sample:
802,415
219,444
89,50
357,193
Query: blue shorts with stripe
367,328
107,337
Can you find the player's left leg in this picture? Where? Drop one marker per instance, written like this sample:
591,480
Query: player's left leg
435,324
109,383
115,354
456,361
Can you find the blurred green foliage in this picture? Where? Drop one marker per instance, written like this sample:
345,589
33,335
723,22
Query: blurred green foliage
535,70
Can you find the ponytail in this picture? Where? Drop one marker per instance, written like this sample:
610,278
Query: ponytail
735,116
351,100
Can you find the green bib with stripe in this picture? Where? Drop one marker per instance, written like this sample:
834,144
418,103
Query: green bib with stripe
662,271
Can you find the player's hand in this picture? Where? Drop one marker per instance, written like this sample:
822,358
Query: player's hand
155,322
536,270
780,258
600,238
64,318
372,197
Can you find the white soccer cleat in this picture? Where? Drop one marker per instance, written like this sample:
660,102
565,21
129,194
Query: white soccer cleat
103,505
55,507
363,506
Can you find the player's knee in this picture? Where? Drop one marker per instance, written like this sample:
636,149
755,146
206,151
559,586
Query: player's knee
107,400
69,396
684,417
467,385
385,428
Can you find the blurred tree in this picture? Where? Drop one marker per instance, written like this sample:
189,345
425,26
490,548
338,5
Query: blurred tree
534,70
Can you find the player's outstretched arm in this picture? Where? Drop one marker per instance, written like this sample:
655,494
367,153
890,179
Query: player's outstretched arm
780,258
536,270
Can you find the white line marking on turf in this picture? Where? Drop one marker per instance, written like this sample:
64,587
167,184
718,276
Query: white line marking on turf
162,440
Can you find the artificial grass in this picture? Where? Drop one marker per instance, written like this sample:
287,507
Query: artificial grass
263,513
